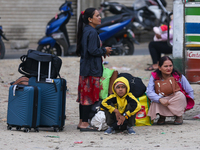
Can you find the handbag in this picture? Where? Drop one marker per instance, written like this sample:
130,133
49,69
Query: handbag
166,87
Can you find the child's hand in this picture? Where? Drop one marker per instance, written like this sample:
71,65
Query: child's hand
121,120
117,114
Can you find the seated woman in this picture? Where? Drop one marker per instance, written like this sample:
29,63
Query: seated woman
156,48
175,104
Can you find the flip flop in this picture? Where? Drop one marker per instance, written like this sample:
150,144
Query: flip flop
78,128
88,129
197,116
150,68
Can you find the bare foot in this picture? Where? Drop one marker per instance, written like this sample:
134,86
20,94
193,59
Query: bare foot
84,125
152,67
79,124
155,66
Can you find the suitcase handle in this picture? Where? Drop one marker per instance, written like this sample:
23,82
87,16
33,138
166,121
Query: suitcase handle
17,87
14,89
49,80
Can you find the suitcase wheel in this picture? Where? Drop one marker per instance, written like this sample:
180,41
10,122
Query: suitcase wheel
55,129
36,130
9,127
18,128
26,130
61,129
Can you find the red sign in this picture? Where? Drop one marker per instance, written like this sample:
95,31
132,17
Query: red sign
193,54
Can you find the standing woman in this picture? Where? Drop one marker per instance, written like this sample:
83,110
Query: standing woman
90,50
174,104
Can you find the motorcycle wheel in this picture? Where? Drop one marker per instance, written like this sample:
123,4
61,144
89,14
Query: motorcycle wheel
56,50
129,47
2,49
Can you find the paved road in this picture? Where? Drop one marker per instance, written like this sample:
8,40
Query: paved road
14,54
141,49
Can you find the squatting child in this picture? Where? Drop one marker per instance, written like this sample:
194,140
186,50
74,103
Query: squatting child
120,108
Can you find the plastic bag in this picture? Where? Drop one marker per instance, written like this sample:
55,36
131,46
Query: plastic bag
141,116
104,82
99,121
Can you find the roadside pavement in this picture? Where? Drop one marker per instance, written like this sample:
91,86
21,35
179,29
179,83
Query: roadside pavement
164,137
141,49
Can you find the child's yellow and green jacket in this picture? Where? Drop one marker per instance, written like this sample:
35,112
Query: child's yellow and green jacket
120,103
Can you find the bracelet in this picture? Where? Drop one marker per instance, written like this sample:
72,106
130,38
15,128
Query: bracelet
125,115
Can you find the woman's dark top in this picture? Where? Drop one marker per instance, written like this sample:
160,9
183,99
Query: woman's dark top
91,53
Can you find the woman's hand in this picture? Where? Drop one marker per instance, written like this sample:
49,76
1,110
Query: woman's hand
164,101
108,51
158,36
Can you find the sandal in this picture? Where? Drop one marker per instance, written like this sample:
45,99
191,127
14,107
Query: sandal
88,129
150,68
161,120
197,116
178,120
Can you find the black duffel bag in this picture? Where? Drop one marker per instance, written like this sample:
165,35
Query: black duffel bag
29,65
137,87
95,108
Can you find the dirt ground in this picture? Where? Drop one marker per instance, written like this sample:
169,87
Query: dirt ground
165,137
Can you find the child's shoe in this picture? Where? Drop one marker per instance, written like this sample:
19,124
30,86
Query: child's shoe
110,130
130,130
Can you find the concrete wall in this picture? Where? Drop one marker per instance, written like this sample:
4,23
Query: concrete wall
84,4
27,19
89,3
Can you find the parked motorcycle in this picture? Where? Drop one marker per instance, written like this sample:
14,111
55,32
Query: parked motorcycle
2,46
116,32
149,13
56,33
146,13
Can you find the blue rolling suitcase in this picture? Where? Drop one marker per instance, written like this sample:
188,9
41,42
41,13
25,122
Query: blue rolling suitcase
24,107
53,100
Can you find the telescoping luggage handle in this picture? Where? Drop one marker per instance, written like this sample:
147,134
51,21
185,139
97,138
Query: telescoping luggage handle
48,79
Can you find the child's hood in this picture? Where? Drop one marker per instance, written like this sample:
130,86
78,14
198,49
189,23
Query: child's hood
125,81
